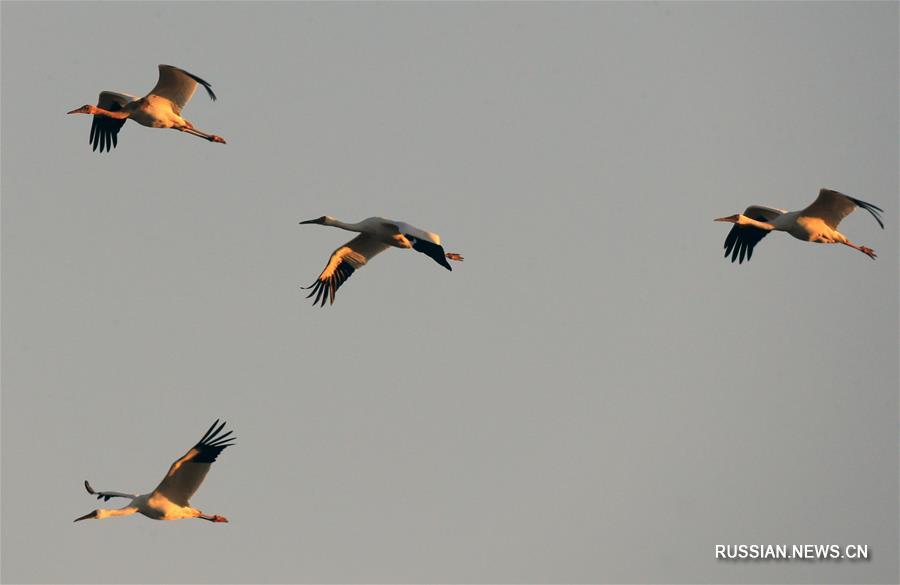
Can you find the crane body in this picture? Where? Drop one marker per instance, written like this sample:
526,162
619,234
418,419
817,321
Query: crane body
170,499
816,223
161,108
377,234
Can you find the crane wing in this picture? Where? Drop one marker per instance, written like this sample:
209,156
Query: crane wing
104,130
741,240
111,99
832,207
105,496
430,249
428,243
342,263
411,230
186,474
178,86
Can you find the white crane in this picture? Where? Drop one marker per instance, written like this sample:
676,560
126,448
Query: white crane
161,108
817,223
376,235
169,501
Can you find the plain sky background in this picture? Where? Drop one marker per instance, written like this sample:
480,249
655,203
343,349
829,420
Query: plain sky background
594,395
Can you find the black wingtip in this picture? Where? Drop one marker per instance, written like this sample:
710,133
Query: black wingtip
214,436
213,443
206,85
430,249
740,242
210,92
325,290
873,209
208,432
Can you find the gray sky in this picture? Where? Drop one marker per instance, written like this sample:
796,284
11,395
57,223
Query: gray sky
595,395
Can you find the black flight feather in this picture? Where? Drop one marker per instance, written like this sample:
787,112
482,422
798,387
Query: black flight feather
430,249
325,289
202,82
104,130
873,209
212,443
741,240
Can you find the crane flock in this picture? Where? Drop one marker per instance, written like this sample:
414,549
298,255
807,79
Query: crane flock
162,108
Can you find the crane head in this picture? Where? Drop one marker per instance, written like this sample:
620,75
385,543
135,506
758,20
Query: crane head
320,220
88,516
736,218
85,109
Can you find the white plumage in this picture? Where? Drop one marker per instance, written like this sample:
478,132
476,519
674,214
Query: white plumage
161,108
376,235
170,499
816,223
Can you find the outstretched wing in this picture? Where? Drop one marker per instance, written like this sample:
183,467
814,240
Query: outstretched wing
104,130
105,496
832,207
342,263
186,474
178,86
741,240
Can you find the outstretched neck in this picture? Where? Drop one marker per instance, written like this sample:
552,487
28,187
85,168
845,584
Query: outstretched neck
126,511
119,115
744,220
350,227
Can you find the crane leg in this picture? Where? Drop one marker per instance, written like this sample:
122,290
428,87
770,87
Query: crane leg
214,518
195,132
864,249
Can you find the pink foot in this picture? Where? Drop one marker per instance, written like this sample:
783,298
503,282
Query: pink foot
868,252
218,518
454,256
214,138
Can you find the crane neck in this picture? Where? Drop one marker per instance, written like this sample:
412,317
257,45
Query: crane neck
350,227
744,220
120,115
107,513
